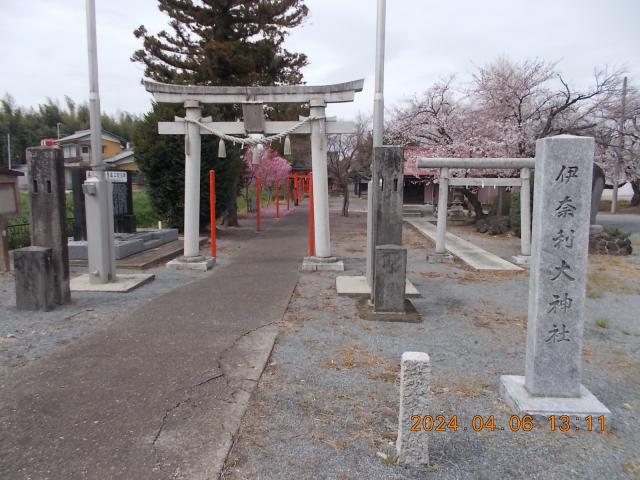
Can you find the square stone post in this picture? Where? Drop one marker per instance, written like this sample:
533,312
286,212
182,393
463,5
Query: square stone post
557,288
48,213
387,192
415,386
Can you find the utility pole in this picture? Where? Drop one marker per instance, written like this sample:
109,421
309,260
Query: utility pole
58,129
378,99
98,191
620,153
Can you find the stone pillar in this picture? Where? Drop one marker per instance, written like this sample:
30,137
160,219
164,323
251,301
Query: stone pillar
34,278
387,192
525,212
320,179
443,200
388,292
48,213
557,287
415,380
192,181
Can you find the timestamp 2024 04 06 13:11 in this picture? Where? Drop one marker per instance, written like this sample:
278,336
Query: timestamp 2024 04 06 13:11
525,423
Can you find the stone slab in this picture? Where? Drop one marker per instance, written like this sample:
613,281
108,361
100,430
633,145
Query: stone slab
469,253
357,286
203,265
440,258
365,312
415,394
521,401
124,283
316,264
522,260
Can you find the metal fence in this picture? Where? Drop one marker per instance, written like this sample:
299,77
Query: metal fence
19,234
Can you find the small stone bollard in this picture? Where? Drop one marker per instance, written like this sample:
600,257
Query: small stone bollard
415,381
34,278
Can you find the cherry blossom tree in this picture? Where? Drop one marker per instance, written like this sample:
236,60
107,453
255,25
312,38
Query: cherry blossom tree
270,169
505,109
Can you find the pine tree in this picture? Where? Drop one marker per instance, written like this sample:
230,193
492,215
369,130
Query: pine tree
217,42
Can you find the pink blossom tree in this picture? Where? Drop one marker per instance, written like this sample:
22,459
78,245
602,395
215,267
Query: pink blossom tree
271,168
505,109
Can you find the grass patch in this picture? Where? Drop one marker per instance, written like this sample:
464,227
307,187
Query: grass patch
612,274
142,209
602,323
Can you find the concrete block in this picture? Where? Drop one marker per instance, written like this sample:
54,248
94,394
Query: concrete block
320,264
195,263
77,249
156,242
129,247
389,280
123,283
514,392
34,275
415,396
356,286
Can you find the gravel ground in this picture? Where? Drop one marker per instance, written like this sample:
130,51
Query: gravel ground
26,336
326,406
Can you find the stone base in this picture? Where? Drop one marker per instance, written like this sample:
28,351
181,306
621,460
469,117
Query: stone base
320,264
123,284
522,260
440,258
353,286
366,312
522,402
200,263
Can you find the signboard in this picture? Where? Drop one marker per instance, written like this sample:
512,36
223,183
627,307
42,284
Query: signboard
112,176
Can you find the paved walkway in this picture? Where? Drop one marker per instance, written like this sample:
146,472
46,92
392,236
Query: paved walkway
158,393
469,253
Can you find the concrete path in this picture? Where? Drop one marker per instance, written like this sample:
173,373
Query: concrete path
469,253
158,393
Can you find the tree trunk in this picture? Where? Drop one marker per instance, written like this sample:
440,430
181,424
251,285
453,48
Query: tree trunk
345,200
475,202
635,200
230,218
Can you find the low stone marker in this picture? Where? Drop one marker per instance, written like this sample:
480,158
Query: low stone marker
557,288
415,381
34,278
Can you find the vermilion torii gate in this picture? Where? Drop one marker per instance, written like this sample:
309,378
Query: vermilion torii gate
252,100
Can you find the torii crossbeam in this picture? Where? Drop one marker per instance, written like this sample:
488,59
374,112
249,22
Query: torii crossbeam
252,99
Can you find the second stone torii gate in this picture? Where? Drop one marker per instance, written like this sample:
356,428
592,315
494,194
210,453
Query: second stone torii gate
252,99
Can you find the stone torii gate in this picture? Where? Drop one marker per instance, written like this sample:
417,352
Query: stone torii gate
252,100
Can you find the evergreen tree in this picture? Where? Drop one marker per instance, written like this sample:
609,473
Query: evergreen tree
223,43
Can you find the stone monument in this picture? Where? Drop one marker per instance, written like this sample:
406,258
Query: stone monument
48,213
557,289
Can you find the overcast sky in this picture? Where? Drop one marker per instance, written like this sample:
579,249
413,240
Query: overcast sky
43,44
